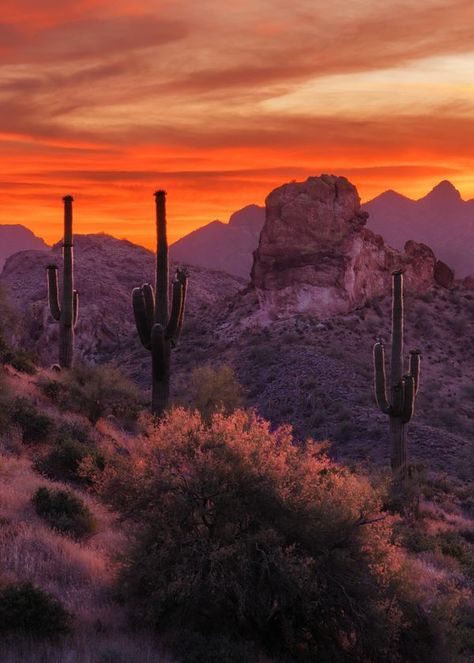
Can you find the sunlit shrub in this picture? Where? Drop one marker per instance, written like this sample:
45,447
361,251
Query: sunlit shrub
243,534
215,389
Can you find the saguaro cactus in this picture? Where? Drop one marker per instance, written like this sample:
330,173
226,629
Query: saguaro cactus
158,329
68,312
403,387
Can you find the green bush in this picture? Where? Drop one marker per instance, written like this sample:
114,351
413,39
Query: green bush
215,389
246,536
94,392
65,512
27,608
63,462
35,426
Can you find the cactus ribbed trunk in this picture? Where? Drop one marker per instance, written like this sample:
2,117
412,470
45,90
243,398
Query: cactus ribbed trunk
403,388
66,313
157,327
66,321
397,426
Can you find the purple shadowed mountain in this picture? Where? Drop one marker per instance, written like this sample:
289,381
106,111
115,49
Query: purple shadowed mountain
226,247
441,219
14,238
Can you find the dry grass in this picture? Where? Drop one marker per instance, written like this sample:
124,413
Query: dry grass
81,575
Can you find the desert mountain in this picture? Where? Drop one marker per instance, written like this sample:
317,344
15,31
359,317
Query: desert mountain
311,370
227,247
441,219
14,238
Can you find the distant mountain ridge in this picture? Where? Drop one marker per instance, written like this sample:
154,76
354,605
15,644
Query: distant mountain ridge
226,247
14,238
441,219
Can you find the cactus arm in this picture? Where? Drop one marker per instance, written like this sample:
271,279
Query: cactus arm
53,291
182,276
408,398
149,297
380,379
397,330
176,307
141,321
415,361
162,267
75,307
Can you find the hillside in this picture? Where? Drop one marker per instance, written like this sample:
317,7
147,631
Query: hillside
14,238
441,219
315,374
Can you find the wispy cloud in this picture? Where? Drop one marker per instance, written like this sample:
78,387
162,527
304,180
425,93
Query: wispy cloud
221,102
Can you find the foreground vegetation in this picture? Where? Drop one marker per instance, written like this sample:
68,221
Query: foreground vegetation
211,537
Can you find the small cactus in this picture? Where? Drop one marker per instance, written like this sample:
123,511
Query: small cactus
67,313
157,328
403,387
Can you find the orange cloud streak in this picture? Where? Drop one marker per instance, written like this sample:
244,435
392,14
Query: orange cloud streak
109,101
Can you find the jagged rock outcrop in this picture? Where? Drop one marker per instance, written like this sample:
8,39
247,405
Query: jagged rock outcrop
316,255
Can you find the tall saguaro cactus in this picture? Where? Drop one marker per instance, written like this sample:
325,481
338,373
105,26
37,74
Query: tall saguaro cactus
403,387
158,329
66,313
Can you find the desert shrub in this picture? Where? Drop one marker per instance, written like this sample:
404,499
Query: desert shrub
215,389
20,359
94,392
25,607
35,425
245,535
64,461
65,512
194,647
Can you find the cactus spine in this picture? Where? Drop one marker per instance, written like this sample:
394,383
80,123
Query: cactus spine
66,314
403,387
157,328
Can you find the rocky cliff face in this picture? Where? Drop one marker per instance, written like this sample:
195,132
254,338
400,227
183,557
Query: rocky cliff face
315,254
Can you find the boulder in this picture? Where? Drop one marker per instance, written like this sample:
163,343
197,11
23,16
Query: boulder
316,255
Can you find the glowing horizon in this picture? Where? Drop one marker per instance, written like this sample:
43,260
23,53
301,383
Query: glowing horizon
219,105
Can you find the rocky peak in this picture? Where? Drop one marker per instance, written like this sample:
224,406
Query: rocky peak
316,255
444,192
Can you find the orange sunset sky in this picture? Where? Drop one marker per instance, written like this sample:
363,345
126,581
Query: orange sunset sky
218,103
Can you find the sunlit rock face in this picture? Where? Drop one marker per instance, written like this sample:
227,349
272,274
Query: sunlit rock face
315,254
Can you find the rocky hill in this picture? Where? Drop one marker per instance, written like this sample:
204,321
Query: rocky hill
14,238
310,366
227,247
441,219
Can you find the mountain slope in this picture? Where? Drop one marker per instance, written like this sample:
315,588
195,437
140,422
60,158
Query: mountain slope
223,246
441,219
316,376
14,238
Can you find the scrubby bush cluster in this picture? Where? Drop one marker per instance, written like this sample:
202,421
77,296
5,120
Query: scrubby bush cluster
27,608
94,392
65,512
243,534
64,461
34,424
